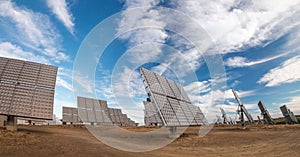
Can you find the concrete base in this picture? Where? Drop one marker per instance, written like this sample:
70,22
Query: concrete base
11,123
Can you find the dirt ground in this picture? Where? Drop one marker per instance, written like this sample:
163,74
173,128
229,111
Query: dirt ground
64,141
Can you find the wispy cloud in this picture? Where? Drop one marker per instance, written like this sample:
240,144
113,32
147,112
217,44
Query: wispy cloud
83,85
32,30
201,93
10,50
63,83
236,25
63,13
285,73
243,62
233,25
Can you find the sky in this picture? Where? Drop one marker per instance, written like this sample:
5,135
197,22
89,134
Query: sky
207,46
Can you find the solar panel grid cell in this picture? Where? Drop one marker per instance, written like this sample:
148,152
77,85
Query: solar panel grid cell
153,83
178,113
165,86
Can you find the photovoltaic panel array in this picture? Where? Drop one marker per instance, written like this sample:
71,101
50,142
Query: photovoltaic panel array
265,113
152,117
92,110
172,102
96,111
70,115
26,88
289,115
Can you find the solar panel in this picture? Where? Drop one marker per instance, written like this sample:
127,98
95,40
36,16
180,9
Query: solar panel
151,114
97,112
200,118
26,89
70,115
289,116
171,101
265,113
225,117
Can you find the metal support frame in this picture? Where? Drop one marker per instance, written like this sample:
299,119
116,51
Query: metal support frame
259,120
242,110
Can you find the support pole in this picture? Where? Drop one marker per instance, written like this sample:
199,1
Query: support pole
242,118
11,123
173,134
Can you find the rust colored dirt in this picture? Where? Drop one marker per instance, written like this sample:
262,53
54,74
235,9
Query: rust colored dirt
64,141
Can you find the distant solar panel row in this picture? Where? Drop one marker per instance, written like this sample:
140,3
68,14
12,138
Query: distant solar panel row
266,115
70,115
173,104
26,88
96,111
289,115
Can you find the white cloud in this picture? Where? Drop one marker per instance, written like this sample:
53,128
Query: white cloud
235,25
201,93
84,85
285,73
139,3
62,12
243,62
232,24
293,104
32,30
10,50
63,83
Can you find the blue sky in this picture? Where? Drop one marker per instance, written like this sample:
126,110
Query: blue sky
257,42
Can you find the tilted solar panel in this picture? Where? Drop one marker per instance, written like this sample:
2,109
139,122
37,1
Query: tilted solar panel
26,89
96,111
171,101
